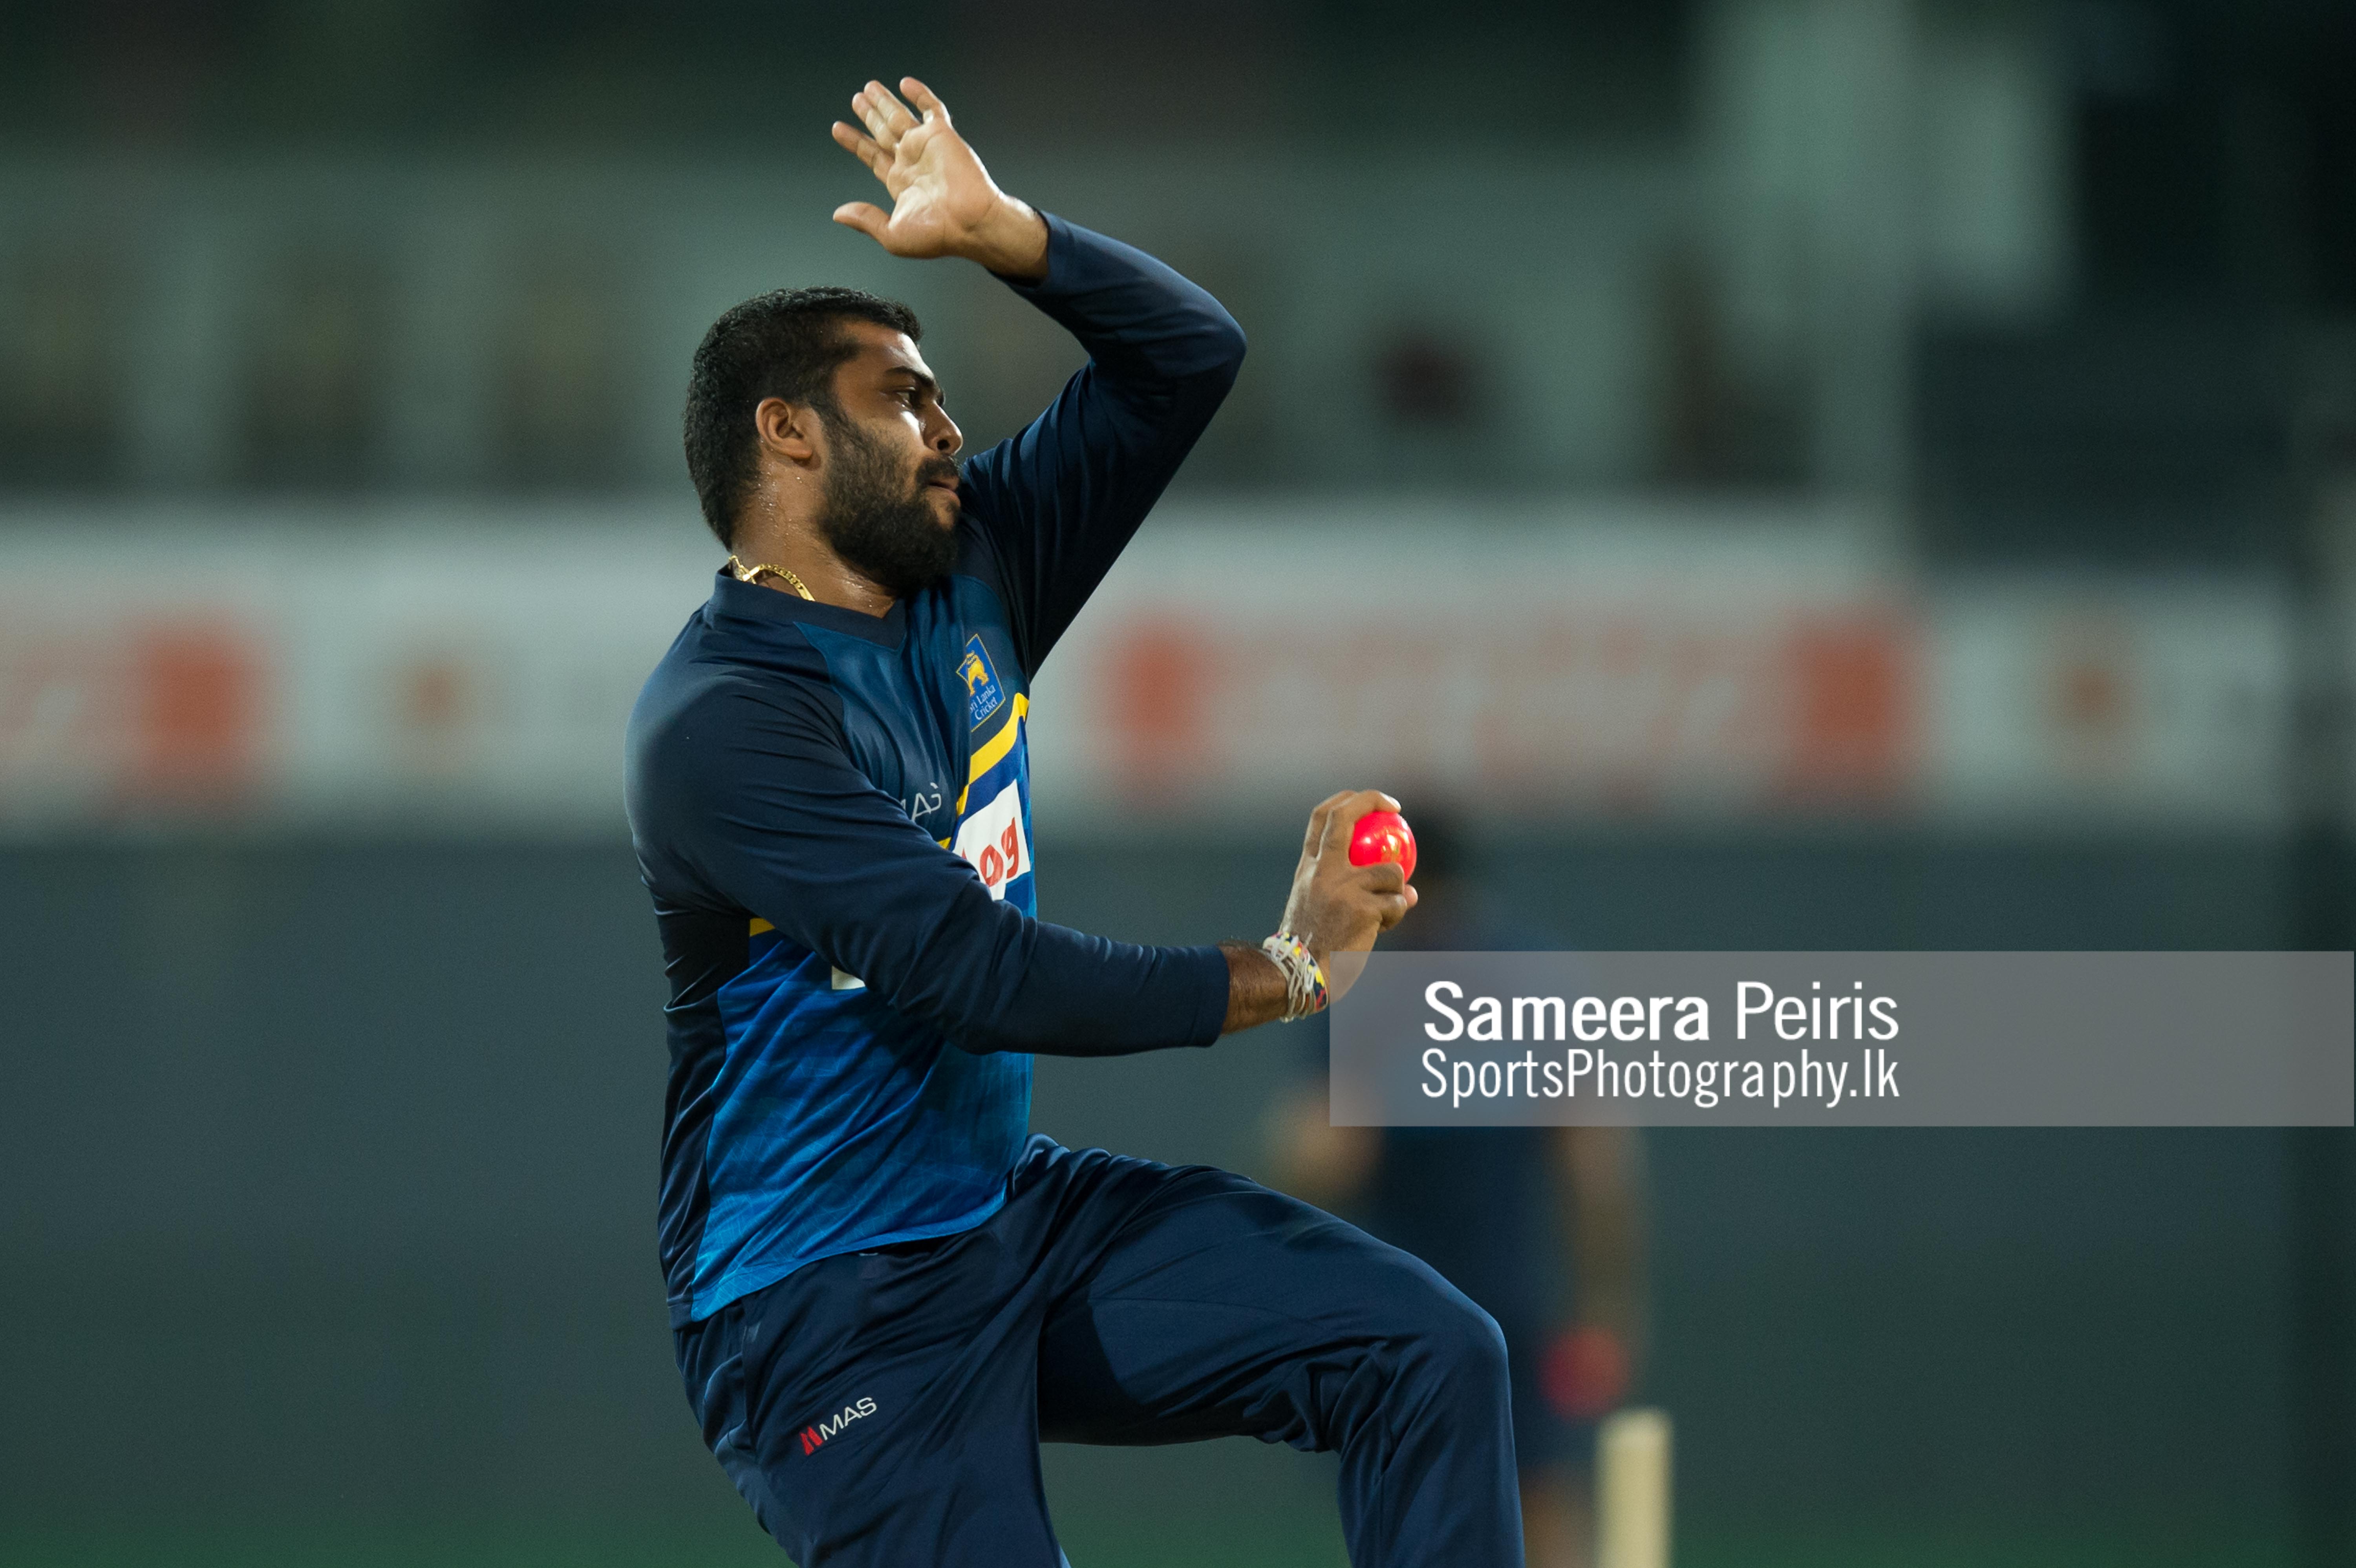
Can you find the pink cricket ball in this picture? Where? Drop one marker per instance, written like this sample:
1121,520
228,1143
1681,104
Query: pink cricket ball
1382,836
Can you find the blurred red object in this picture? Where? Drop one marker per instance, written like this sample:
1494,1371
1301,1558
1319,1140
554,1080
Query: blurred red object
197,687
1585,1374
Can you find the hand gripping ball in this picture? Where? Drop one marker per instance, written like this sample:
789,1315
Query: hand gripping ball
1382,836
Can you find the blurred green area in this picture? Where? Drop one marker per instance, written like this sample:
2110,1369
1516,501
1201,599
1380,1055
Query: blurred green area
395,1303
1179,1540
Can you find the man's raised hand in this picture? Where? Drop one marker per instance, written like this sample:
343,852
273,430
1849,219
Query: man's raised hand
944,203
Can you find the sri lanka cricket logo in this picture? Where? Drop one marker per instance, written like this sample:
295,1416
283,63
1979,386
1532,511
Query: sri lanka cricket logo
981,690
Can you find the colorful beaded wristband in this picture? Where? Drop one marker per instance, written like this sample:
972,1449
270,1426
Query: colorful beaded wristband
1304,977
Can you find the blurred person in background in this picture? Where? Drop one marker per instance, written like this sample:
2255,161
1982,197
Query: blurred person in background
1543,1226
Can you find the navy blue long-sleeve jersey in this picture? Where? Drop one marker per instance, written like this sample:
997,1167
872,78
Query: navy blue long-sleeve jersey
832,811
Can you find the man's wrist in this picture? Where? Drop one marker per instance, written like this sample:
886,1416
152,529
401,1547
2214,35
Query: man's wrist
1319,948
1304,974
1012,241
1256,991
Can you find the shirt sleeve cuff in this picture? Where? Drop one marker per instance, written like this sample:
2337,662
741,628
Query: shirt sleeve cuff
1207,971
1060,245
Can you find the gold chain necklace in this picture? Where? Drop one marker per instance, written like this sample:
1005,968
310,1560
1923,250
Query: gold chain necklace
745,573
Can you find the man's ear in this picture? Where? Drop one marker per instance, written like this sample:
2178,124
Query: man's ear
788,430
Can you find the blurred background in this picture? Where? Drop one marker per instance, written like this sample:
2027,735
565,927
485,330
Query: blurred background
1784,474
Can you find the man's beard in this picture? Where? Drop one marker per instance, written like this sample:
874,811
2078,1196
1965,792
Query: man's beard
879,518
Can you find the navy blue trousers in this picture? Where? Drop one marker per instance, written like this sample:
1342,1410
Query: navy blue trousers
886,1408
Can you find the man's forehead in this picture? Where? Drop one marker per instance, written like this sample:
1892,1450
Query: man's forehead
882,350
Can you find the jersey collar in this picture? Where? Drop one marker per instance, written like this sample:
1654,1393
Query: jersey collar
749,600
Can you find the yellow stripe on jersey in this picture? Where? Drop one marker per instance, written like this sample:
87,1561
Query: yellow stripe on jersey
759,925
993,751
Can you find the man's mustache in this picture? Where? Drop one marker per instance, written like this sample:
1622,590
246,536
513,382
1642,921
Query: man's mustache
936,470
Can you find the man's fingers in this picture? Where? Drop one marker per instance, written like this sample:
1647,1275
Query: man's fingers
1317,816
926,99
903,117
1384,877
885,115
863,148
872,114
1354,804
1316,834
868,221
1338,817
1391,904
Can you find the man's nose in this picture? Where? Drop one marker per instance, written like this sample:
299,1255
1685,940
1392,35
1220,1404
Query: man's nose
945,437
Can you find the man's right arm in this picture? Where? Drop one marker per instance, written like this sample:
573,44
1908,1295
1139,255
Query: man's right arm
759,801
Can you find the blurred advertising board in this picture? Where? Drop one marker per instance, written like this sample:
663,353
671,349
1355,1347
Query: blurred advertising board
1641,664
472,667
428,665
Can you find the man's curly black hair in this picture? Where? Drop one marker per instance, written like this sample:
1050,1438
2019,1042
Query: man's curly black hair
784,344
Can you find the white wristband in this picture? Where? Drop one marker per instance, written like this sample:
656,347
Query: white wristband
1304,977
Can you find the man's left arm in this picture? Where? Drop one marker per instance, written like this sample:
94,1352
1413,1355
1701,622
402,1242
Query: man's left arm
1061,499
1057,503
